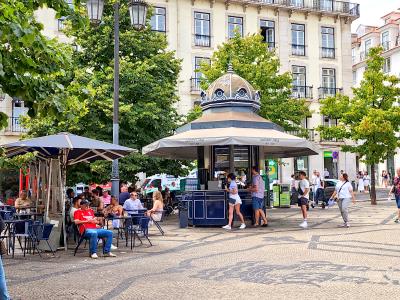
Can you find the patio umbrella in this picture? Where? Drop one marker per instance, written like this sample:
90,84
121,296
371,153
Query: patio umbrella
70,149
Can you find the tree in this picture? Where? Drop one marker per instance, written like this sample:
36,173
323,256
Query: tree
371,119
252,60
148,79
31,65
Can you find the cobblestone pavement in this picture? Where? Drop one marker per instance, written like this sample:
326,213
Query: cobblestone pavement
281,261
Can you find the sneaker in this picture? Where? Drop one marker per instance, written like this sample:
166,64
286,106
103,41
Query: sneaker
113,247
347,225
242,226
109,254
227,227
94,256
396,220
303,224
342,225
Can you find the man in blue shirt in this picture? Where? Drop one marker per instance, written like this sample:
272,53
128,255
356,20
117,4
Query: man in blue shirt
257,195
124,195
132,205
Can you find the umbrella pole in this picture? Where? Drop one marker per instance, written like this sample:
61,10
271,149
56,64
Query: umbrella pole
49,183
64,158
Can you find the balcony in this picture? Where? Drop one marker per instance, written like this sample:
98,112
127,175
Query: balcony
327,52
202,40
298,50
325,92
14,125
310,134
304,92
195,84
325,6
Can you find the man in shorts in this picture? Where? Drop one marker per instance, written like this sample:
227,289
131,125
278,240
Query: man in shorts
304,196
257,195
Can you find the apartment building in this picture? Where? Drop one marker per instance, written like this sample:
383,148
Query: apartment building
388,36
311,37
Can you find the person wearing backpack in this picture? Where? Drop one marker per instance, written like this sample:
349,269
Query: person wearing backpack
344,194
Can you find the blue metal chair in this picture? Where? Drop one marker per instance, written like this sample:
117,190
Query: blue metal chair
157,223
81,238
144,228
7,214
21,229
41,232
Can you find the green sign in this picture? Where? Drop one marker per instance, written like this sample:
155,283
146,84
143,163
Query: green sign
328,154
272,169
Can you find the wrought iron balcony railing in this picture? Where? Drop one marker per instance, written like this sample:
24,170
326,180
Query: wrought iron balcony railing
335,7
302,92
325,92
14,125
327,52
195,84
310,134
202,40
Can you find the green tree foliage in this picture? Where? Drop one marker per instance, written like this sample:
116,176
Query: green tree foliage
148,79
252,60
194,113
371,118
31,65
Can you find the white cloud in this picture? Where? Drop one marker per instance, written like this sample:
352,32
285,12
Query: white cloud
372,10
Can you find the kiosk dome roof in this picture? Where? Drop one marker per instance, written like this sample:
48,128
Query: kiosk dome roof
230,90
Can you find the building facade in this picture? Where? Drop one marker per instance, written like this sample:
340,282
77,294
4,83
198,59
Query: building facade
312,38
387,36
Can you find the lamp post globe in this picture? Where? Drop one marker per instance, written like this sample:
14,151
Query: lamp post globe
95,10
138,13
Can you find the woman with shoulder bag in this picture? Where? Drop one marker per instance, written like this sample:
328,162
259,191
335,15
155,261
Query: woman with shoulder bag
344,194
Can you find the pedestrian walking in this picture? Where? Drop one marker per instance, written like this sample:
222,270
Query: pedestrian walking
396,191
234,202
385,179
366,181
360,185
257,196
304,197
3,285
344,195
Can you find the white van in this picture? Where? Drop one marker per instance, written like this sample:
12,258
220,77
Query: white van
152,183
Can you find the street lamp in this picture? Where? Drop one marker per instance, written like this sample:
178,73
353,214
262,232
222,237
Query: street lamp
138,13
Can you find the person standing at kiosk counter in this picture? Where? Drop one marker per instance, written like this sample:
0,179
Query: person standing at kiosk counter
304,196
234,202
257,195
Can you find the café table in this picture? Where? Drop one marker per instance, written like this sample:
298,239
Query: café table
129,226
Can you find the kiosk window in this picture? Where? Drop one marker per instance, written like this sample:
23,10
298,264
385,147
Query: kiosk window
221,159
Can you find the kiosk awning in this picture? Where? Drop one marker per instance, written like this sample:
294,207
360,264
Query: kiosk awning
273,143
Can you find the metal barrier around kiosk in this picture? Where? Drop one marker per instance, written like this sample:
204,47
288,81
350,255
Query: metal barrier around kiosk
210,208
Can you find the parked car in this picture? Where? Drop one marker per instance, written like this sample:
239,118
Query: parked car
329,188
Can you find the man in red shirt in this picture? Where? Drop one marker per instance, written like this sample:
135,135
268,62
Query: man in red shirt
87,225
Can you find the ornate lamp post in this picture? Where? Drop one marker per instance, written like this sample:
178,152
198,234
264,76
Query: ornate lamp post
138,13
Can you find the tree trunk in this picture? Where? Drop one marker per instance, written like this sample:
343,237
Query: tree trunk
372,187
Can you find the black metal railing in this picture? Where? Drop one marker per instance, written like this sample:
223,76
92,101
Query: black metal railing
195,84
331,140
302,92
298,50
341,7
202,40
325,92
310,134
327,52
14,125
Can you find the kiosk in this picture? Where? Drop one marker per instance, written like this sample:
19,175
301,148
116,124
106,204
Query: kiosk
229,137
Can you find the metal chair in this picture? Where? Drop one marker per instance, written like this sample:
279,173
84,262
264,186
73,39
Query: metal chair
144,228
81,238
21,228
157,223
41,232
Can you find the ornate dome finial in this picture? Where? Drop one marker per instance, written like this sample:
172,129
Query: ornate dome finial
230,68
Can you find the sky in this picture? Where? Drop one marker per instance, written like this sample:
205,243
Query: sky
372,10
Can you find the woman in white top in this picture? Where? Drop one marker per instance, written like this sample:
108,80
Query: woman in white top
367,181
344,194
158,206
360,182
234,202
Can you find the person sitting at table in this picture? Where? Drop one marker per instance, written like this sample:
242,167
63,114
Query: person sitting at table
106,197
88,227
76,204
23,202
132,205
97,202
113,210
158,206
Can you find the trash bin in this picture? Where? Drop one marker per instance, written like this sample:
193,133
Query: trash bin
276,193
183,215
284,195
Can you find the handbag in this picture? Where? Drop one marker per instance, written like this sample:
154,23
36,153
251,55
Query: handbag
331,201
